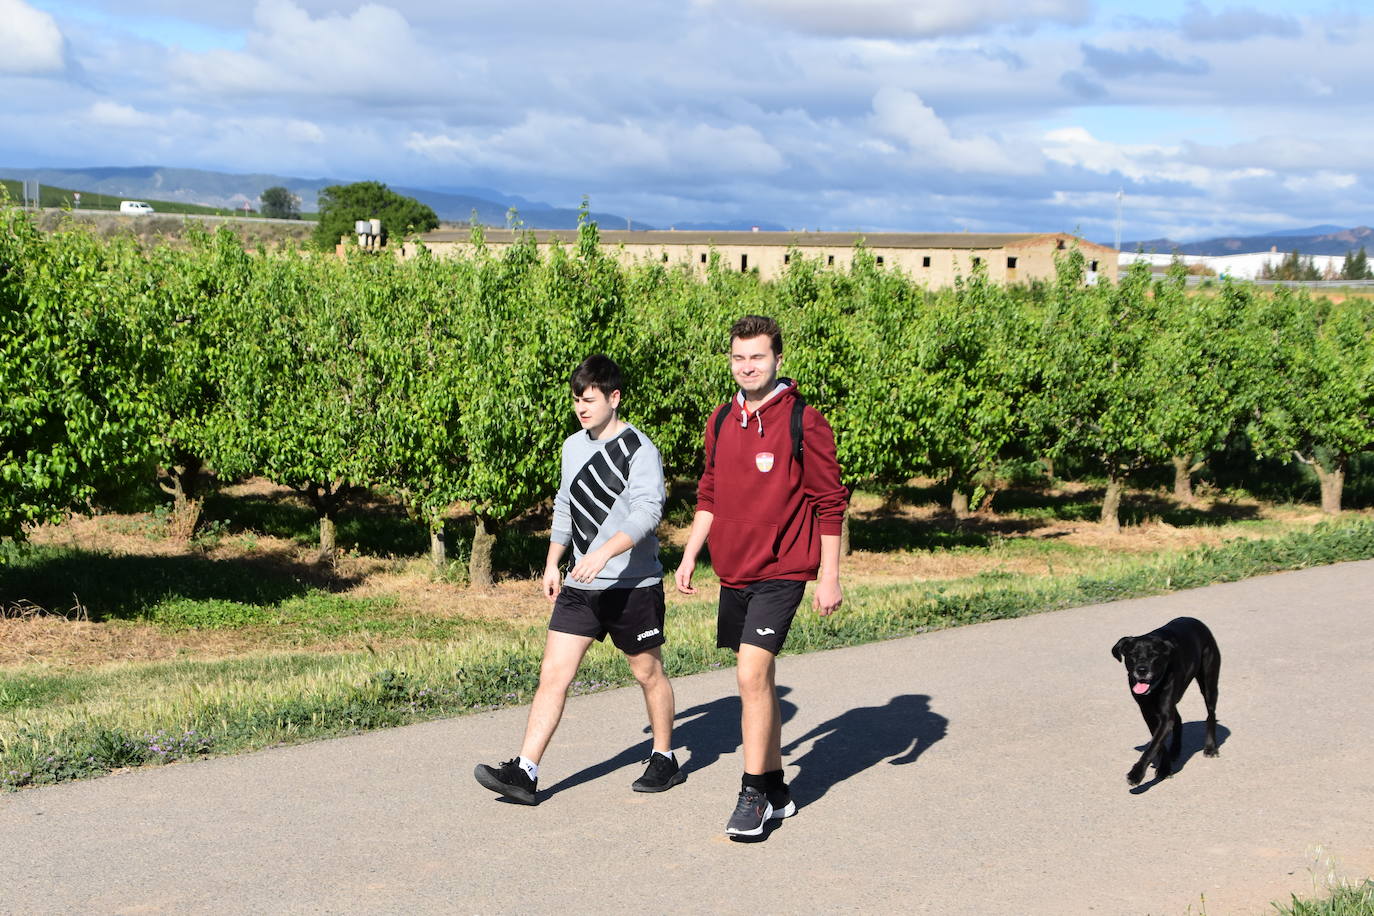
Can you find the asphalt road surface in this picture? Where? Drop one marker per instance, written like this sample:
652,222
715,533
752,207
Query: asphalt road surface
977,770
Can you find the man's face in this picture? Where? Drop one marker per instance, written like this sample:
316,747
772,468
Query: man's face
594,409
754,365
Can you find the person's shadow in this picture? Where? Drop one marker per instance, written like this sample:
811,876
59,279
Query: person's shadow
707,732
860,738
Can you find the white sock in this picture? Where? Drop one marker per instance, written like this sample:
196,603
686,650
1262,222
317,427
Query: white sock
668,753
530,767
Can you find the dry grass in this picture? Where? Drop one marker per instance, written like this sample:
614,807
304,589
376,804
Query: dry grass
59,643
30,635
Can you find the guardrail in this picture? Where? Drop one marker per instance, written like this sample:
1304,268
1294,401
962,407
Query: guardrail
1311,284
244,217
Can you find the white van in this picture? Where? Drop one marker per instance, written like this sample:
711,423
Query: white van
134,207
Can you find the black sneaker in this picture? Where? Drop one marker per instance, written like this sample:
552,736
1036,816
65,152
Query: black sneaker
751,812
662,774
510,780
780,800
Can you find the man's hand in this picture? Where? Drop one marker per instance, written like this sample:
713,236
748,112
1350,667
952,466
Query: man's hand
590,564
828,598
551,581
683,576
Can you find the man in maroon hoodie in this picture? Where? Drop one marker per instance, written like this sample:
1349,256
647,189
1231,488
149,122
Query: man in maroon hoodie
772,513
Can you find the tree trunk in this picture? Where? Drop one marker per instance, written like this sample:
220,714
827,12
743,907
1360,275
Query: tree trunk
483,540
1049,467
844,535
328,537
1111,506
438,545
1332,482
1183,480
958,503
182,482
185,519
324,498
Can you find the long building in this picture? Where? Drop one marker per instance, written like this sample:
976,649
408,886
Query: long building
1247,266
932,258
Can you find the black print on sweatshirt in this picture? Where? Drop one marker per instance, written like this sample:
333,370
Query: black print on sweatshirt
597,485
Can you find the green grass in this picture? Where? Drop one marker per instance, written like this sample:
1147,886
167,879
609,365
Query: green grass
124,587
1356,900
66,725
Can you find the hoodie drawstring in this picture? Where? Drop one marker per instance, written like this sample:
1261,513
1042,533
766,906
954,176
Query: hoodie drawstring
744,419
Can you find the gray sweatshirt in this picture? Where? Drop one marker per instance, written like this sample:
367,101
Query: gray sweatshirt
608,486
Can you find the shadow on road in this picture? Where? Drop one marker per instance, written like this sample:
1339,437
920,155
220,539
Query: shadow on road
898,732
1194,736
707,732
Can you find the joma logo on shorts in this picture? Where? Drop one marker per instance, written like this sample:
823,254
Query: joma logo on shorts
646,634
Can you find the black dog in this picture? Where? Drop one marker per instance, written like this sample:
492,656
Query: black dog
1159,666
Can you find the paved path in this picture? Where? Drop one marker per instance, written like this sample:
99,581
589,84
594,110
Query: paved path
978,770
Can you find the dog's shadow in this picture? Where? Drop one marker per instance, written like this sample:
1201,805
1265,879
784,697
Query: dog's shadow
1194,737
707,731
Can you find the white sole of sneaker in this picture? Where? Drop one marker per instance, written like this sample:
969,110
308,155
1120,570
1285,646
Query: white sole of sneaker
786,811
767,816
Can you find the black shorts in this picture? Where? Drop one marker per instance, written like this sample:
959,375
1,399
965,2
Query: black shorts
633,616
759,614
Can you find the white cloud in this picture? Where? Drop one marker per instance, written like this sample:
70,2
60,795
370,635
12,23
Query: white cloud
299,131
1234,24
802,112
1317,87
30,41
116,115
908,19
587,147
1077,148
371,55
1322,182
902,115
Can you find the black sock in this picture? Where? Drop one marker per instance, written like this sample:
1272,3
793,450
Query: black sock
751,780
773,780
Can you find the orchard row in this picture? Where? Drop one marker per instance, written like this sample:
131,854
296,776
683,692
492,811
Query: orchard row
444,381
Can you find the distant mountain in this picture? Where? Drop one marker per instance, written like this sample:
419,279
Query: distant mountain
231,191
1332,240
1310,230
730,226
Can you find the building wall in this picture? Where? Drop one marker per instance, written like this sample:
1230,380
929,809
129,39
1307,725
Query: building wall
1247,266
1027,259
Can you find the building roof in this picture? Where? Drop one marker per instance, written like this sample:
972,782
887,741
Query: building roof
961,240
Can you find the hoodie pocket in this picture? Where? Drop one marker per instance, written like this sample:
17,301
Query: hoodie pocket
742,548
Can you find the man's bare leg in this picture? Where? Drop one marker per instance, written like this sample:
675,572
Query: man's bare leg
658,695
760,712
563,654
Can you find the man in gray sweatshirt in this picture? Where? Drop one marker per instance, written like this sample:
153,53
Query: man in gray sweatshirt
609,503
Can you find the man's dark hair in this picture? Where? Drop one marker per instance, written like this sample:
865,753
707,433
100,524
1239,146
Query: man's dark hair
757,326
599,372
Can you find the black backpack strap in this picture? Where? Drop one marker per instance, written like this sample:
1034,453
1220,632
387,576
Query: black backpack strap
717,421
798,418
798,410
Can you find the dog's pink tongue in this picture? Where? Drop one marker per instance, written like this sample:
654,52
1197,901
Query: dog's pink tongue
1142,687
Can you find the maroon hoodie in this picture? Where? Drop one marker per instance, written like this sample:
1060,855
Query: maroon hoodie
770,510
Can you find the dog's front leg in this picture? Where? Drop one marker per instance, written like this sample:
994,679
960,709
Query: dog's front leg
1152,750
1169,758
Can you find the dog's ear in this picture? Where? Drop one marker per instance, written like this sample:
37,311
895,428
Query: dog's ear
1170,645
1123,645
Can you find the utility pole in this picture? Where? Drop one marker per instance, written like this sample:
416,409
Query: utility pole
1120,193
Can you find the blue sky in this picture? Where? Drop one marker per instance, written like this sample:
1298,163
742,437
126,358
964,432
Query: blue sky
1211,117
